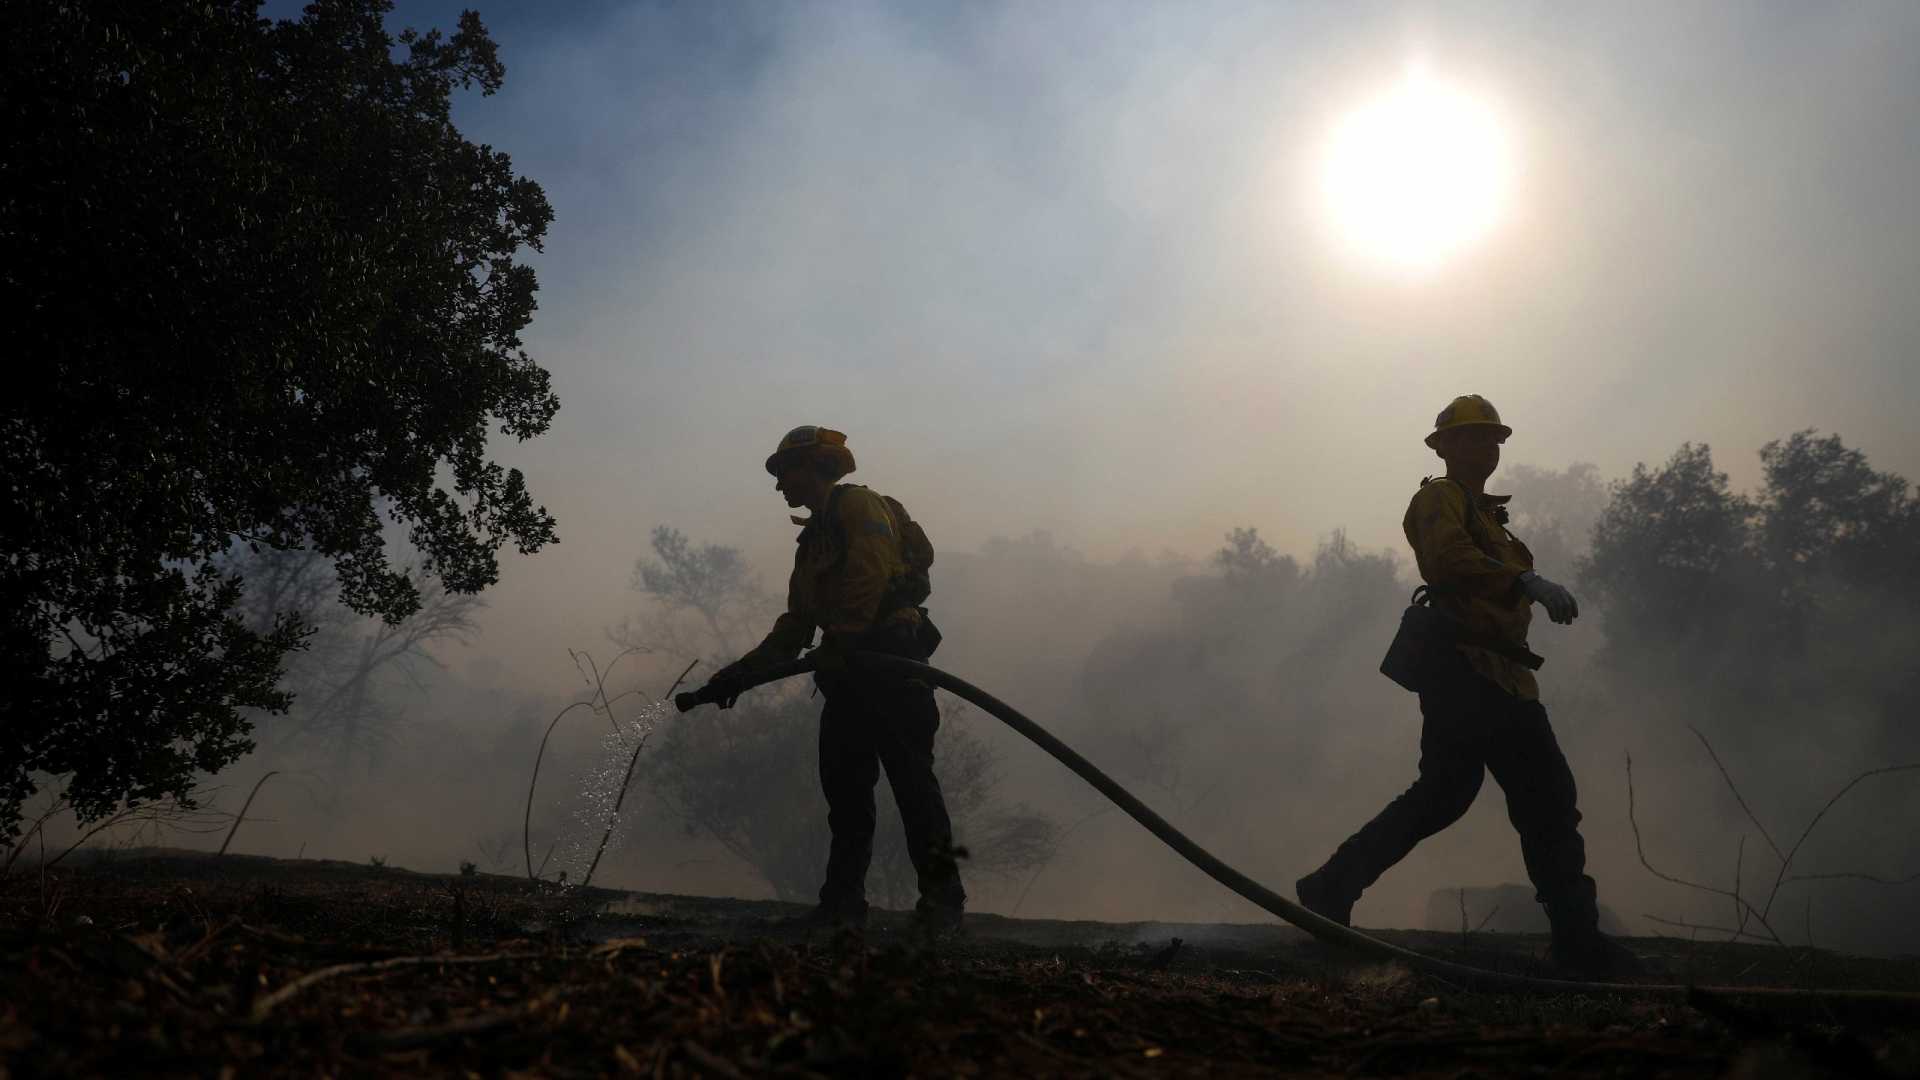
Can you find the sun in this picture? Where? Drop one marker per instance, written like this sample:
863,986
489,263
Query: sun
1417,176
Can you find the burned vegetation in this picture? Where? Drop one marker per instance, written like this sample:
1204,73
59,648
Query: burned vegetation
169,963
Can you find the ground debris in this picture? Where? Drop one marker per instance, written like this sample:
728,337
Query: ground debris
311,969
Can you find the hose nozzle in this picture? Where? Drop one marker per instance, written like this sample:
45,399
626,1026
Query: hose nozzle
714,695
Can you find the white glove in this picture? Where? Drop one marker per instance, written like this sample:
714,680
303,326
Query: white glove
1560,604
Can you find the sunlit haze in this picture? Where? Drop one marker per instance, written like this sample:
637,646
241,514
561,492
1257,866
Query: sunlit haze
1087,286
1417,175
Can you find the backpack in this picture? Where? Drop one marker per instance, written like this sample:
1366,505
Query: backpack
911,588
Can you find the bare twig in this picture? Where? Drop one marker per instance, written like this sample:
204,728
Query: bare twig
626,781
1743,909
46,911
1739,865
1787,862
1734,932
185,958
154,812
1908,880
614,818
710,1061
1737,797
600,694
681,679
1465,929
242,816
55,803
1059,841
408,1038
599,681
270,1002
526,822
1640,849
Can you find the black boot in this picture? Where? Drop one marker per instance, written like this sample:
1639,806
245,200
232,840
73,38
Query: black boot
1594,955
839,915
1319,894
1579,948
935,921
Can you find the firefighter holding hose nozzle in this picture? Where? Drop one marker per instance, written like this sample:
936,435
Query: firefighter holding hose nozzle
1467,656
860,577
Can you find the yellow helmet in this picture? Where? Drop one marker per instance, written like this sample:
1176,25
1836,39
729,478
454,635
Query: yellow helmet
809,440
1468,410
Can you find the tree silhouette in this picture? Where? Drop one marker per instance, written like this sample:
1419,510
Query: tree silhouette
1827,510
1253,661
1801,601
273,298
1674,572
341,680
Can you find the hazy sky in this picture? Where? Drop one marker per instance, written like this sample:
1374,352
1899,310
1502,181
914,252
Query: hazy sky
1068,267
1064,266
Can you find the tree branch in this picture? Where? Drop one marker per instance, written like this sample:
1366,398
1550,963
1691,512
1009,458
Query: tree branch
1780,878
266,1005
1737,797
1640,849
242,816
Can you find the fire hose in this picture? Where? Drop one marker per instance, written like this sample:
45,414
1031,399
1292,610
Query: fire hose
1322,928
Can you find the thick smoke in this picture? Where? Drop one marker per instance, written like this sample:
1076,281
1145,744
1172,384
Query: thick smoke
1058,272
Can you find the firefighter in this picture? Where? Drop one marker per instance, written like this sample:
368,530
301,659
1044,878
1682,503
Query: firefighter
1481,705
859,576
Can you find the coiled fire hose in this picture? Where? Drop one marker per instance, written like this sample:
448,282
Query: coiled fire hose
1324,929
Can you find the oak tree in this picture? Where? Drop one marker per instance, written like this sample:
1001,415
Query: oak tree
260,291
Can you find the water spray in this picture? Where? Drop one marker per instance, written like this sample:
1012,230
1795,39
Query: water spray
640,743
1319,927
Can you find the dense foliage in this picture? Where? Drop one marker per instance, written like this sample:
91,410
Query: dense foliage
1799,604
263,293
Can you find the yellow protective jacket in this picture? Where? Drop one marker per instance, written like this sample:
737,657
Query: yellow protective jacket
841,575
1474,565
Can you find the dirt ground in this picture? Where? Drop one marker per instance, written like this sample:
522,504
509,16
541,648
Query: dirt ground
170,963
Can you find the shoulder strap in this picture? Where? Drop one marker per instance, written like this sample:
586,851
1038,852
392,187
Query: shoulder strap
1427,594
1473,505
830,520
1473,509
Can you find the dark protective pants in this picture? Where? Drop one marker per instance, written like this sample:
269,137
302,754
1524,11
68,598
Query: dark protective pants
870,721
1472,726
